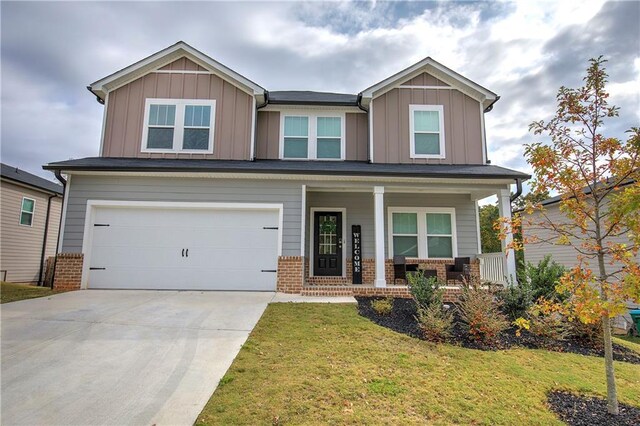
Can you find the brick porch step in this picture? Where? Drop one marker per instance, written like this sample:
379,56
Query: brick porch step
354,290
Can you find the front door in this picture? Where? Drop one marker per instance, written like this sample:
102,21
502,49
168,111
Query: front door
327,237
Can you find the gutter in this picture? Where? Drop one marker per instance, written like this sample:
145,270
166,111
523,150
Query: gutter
44,239
490,107
98,98
518,191
63,181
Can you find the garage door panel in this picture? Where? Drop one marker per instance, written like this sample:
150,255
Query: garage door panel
143,248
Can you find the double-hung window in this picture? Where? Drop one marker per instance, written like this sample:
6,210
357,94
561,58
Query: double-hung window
27,209
426,131
312,136
178,125
423,232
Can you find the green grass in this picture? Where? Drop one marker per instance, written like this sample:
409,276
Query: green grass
13,292
324,364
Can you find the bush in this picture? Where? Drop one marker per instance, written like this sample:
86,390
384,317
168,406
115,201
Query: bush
589,334
434,322
480,314
516,299
382,306
542,279
425,291
547,321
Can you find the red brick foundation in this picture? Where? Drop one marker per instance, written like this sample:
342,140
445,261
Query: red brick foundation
68,273
290,274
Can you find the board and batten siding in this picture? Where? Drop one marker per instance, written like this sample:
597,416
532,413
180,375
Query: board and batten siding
125,113
268,135
171,189
21,246
462,123
359,206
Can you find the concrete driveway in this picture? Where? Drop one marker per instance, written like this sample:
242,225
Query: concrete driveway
120,357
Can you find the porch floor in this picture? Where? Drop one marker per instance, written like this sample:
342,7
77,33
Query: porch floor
368,290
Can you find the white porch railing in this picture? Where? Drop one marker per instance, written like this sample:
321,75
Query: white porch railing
493,267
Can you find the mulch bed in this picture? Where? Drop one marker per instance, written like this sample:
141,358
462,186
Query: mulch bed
584,411
402,319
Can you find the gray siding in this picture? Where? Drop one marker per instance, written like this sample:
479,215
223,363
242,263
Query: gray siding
85,188
359,207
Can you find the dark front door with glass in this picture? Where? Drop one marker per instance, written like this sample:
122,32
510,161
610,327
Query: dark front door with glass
327,248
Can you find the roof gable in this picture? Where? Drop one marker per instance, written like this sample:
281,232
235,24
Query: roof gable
172,54
439,72
25,178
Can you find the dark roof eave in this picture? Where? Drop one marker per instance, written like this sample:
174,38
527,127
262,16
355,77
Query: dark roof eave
328,103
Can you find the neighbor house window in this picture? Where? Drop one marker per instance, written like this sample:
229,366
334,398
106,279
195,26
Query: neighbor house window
178,125
312,136
423,232
426,131
26,211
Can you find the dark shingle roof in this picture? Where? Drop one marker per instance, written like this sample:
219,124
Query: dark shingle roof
25,178
293,97
337,168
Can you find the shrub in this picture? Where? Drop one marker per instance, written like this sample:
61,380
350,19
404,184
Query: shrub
589,334
382,306
435,323
547,320
425,291
516,299
542,279
480,314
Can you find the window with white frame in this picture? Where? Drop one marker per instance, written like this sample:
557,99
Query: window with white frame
423,232
26,211
426,131
312,136
179,125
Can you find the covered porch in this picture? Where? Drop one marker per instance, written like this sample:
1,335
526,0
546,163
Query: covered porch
351,233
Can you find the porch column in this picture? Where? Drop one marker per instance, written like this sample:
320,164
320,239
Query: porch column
504,207
378,203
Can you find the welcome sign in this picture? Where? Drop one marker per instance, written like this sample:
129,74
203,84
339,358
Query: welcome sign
356,255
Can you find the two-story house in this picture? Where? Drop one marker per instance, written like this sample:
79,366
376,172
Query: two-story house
206,180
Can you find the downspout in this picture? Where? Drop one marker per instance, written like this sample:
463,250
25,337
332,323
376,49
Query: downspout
255,130
44,239
63,181
359,103
518,192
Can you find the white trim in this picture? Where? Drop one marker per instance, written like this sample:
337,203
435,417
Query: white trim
483,135
333,108
412,142
312,211
104,124
378,219
371,132
252,137
312,133
421,212
165,57
428,87
63,222
87,239
178,126
478,228
303,220
181,72
32,213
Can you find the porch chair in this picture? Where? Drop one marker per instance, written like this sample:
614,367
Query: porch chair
399,268
459,271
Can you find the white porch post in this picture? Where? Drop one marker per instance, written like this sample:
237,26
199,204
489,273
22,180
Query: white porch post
504,207
378,201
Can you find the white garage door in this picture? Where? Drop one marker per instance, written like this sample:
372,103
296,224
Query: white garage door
183,249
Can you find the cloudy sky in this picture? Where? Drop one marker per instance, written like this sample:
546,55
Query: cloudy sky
524,51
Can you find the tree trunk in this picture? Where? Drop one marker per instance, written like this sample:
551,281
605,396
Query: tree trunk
612,397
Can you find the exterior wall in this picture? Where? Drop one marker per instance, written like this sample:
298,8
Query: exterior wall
268,135
290,274
462,121
563,255
359,207
83,188
125,113
68,274
183,64
21,246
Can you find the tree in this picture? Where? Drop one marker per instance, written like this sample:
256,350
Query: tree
597,178
488,234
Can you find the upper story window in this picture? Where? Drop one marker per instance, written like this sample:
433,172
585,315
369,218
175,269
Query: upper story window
423,233
312,136
179,125
26,211
426,131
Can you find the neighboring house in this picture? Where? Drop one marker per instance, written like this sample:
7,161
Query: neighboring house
206,180
30,211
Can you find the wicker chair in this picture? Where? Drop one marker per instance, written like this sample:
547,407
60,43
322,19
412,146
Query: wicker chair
459,271
399,268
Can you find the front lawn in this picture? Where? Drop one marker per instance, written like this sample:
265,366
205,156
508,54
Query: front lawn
13,292
323,363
